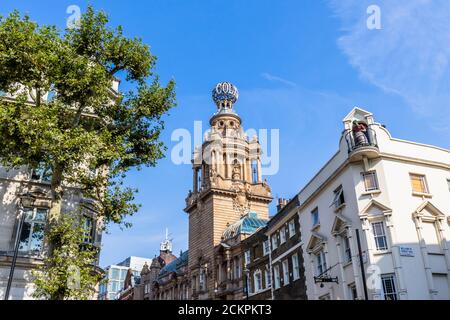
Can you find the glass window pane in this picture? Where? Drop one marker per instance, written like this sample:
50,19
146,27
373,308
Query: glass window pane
418,183
315,216
37,237
41,214
29,213
25,236
46,175
115,274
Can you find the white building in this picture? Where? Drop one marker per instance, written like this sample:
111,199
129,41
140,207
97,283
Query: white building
395,195
115,276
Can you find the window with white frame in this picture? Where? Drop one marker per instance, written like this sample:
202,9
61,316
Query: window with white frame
379,235
315,217
41,173
295,267
257,279
268,277
338,198
88,229
370,181
250,284
347,250
194,283
282,235
237,268
291,225
202,280
389,287
419,183
321,263
32,236
276,277
274,241
285,265
266,247
247,257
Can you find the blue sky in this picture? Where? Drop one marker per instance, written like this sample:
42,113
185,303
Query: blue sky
300,66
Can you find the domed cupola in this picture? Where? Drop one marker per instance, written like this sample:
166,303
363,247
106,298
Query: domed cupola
225,95
247,225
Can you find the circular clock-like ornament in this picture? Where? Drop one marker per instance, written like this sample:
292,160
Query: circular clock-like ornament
225,91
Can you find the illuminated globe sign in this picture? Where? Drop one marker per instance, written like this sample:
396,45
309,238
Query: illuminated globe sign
225,92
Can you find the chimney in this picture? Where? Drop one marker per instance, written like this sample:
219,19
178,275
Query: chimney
281,203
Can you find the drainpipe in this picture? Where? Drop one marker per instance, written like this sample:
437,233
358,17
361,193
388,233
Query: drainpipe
361,263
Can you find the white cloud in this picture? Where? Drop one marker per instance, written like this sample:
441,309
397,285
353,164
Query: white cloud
409,56
271,77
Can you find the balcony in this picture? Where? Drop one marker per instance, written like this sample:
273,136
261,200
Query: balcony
362,143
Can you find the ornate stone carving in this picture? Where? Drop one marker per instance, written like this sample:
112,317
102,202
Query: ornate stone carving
236,171
240,201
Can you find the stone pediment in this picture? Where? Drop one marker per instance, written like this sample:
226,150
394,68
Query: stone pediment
357,114
373,209
428,211
316,241
340,223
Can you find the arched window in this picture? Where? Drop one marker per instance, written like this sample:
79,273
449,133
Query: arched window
254,171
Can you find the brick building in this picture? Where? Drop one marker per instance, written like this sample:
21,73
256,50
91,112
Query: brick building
227,185
286,254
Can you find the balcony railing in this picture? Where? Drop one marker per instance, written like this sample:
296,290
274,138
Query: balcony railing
361,139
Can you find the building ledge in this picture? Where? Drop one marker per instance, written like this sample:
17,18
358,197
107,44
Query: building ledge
422,194
382,252
372,192
339,207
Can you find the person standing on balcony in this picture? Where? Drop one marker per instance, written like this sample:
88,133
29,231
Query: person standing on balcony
359,133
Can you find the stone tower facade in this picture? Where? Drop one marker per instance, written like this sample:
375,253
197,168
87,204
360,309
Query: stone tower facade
227,184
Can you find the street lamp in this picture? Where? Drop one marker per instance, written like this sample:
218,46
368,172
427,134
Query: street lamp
26,201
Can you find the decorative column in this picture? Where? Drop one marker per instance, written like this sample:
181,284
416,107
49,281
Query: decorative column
248,170
424,251
313,273
259,170
195,179
443,240
396,259
355,262
341,267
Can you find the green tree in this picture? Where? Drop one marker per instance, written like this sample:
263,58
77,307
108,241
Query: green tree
66,115
68,272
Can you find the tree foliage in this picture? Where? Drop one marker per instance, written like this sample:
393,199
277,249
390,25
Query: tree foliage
66,115
68,273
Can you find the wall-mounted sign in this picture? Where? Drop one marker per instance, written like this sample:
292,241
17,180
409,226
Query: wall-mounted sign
406,251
